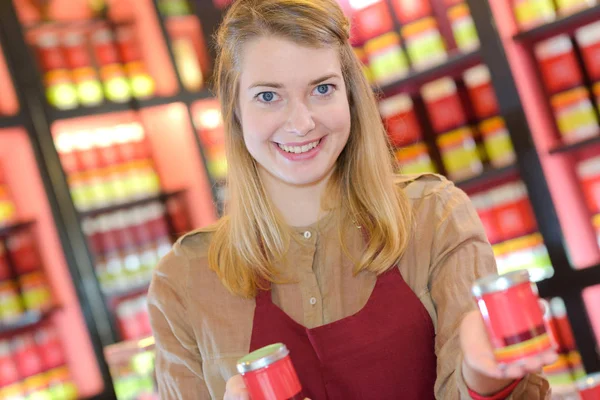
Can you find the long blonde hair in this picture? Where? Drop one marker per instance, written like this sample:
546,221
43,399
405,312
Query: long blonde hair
251,238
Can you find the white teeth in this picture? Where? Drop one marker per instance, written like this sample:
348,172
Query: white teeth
299,149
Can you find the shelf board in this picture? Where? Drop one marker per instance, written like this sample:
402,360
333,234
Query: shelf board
563,25
566,148
28,320
109,107
129,204
123,293
489,175
9,229
455,64
10,121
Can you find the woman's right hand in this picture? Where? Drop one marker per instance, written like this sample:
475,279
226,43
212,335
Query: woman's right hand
235,389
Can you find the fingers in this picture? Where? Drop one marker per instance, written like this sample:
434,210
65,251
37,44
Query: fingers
235,389
533,364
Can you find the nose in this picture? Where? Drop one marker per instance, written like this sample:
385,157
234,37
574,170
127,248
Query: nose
299,121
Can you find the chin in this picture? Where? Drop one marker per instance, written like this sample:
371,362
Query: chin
304,179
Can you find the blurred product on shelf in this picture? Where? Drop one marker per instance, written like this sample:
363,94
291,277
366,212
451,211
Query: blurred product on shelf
132,369
596,92
463,28
85,76
497,142
387,61
424,43
532,13
566,7
11,303
527,252
58,81
588,40
414,159
444,105
364,59
588,172
575,115
140,81
35,292
32,366
409,10
210,129
173,8
459,154
187,63
127,245
589,387
8,211
108,165
558,64
481,92
133,318
563,374
400,120
372,20
512,209
112,72
23,252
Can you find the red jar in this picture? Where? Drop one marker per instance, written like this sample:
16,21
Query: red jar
49,347
400,120
444,105
481,92
65,146
484,206
8,369
513,211
588,40
589,388
513,317
411,10
26,355
23,252
270,375
373,20
558,64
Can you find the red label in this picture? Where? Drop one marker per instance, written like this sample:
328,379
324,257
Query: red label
78,56
483,99
515,219
278,381
23,252
410,10
446,113
591,58
403,129
561,72
26,356
373,21
50,348
128,46
106,53
490,225
50,58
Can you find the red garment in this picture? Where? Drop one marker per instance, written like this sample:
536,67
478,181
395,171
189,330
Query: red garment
384,351
501,395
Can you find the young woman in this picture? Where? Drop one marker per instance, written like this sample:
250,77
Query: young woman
363,274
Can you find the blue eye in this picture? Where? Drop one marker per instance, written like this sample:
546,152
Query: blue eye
324,89
266,97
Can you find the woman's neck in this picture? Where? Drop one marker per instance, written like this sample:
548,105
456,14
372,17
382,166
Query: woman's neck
298,205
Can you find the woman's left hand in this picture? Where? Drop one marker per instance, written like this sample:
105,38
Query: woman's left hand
480,370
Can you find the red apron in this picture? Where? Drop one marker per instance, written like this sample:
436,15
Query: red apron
384,351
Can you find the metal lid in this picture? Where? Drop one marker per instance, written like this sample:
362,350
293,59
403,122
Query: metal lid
262,358
498,283
589,382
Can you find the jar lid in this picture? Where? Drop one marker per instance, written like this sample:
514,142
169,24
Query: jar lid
498,283
589,382
262,358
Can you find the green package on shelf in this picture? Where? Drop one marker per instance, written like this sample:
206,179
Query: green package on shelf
463,28
531,13
414,159
424,43
174,7
460,154
387,61
498,145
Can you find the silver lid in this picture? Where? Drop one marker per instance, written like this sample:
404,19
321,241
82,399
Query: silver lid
498,283
262,358
590,381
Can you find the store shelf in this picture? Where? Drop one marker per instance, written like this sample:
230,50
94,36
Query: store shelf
9,229
131,291
108,107
10,121
28,320
455,65
488,176
562,25
116,207
566,148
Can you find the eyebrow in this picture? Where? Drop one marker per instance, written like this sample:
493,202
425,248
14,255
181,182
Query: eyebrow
279,85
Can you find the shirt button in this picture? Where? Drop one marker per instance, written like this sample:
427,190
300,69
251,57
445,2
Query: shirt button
307,235
313,301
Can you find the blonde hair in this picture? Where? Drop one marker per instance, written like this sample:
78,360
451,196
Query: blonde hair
252,237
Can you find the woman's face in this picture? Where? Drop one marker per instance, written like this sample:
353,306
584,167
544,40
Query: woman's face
293,109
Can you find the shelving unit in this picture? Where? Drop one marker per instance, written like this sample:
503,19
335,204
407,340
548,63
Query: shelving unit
489,176
10,121
29,320
12,228
562,25
138,202
567,148
454,66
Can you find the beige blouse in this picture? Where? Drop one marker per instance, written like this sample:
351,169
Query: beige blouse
201,329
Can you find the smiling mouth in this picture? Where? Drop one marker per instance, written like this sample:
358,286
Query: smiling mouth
299,149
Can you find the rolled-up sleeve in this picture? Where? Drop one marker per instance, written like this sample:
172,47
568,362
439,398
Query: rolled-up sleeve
178,360
460,255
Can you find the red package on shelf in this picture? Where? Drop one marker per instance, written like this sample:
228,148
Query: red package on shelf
85,76
513,211
23,252
484,206
142,316
411,10
126,315
481,92
112,72
588,172
142,83
26,355
50,347
65,146
400,120
8,367
104,140
5,272
558,64
588,39
443,105
373,20
178,216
